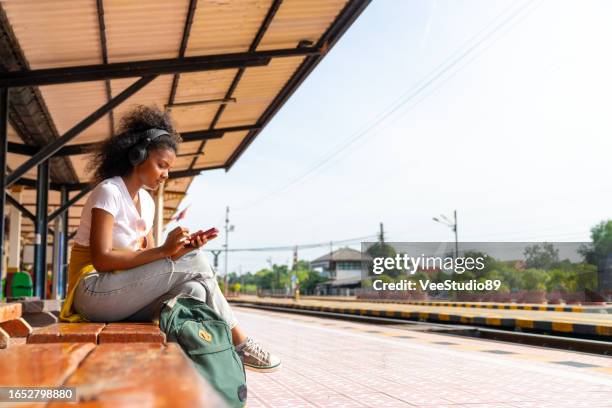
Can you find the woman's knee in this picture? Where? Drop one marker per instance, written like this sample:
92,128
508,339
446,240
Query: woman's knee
192,287
196,261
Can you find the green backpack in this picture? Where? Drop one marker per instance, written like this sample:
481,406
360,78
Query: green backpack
207,340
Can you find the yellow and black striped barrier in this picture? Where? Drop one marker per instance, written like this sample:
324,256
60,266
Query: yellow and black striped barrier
583,329
479,305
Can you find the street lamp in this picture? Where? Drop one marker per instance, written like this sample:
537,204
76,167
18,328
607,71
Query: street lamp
453,225
228,228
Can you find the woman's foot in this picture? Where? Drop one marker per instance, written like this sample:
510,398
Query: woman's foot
255,358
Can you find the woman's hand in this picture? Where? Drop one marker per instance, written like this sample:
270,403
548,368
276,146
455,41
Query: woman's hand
175,241
195,243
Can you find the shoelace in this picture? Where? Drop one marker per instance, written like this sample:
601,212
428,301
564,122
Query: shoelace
256,350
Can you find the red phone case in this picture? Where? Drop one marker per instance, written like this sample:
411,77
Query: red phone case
208,233
211,231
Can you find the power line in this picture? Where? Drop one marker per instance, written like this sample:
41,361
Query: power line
302,246
401,101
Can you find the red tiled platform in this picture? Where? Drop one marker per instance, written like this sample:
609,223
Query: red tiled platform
334,363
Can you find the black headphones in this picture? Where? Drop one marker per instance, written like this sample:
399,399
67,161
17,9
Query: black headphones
138,153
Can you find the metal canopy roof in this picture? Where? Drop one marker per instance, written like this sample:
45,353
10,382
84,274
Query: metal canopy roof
223,68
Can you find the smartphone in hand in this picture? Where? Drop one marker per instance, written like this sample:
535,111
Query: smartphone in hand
208,234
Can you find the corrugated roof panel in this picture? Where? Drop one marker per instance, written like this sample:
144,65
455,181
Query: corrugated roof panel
189,147
190,118
218,151
155,93
177,184
201,86
299,20
56,33
144,30
71,103
257,89
221,27
182,163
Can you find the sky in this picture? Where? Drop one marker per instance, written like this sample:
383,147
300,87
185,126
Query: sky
497,109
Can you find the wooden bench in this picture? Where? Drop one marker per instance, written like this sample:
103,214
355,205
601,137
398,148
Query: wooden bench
123,364
117,374
97,333
11,323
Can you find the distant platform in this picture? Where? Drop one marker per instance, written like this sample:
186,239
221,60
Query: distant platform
597,325
599,308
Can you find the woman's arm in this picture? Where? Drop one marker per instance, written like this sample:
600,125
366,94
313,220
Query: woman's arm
105,259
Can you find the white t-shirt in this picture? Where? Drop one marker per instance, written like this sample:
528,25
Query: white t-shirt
129,227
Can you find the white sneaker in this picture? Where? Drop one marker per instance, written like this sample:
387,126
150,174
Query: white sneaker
255,358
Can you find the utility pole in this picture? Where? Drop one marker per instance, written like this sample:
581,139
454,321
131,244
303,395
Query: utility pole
295,258
272,282
456,237
216,254
293,285
227,230
382,234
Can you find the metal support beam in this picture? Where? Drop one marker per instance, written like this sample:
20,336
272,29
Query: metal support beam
14,238
84,148
4,102
48,150
59,261
24,211
20,148
65,226
51,76
191,172
104,48
67,204
40,243
218,101
53,186
71,187
186,32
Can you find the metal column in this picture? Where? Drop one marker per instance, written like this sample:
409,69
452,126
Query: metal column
63,277
65,232
4,101
14,237
59,241
40,244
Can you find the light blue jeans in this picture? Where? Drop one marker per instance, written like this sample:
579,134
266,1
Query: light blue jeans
138,294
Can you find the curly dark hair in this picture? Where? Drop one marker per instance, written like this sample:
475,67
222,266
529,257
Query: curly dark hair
110,158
